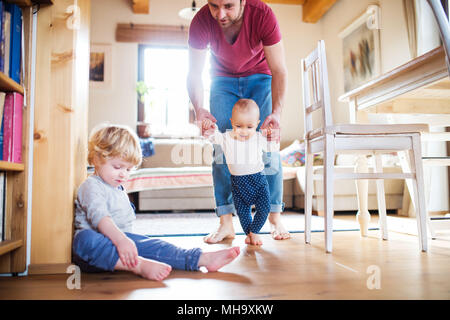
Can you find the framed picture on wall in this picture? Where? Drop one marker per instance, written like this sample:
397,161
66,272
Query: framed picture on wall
361,49
100,66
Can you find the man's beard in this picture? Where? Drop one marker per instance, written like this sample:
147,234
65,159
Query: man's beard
238,19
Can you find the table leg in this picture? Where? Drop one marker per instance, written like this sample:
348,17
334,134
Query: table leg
362,192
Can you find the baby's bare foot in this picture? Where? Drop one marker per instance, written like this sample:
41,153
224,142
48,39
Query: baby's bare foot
215,260
254,239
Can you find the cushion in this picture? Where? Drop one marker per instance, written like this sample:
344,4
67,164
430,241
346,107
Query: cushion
294,155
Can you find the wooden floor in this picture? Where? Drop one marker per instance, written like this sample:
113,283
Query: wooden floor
283,270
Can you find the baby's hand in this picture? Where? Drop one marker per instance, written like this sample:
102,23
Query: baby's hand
267,132
128,253
208,127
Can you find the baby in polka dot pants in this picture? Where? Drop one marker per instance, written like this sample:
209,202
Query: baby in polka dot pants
243,148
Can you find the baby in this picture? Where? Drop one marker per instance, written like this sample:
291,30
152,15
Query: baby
104,217
243,149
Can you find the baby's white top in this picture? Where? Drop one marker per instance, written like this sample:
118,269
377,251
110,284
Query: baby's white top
243,157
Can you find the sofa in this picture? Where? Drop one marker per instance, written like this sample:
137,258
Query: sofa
177,177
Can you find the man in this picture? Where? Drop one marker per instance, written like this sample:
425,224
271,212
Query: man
247,62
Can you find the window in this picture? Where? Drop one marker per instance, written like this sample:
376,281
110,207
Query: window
167,107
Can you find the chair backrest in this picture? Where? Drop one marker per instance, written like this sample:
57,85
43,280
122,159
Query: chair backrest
444,27
316,92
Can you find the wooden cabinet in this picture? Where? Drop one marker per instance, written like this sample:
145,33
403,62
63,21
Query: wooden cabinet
13,248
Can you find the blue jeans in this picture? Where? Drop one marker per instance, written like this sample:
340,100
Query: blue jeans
225,92
95,252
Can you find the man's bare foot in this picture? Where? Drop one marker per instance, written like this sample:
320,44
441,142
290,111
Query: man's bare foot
278,231
148,269
215,260
254,239
224,231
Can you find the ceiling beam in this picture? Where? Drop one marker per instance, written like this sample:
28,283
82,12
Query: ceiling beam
313,10
141,6
299,2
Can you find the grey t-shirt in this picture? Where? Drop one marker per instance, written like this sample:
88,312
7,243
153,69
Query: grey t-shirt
96,199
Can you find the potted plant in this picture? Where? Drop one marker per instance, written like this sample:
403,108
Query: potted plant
143,128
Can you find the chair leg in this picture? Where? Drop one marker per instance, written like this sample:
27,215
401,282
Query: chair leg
405,164
328,192
381,198
427,184
362,192
308,193
419,191
405,160
427,188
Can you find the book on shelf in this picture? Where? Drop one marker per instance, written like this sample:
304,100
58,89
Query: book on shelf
10,40
2,37
15,42
6,37
2,104
2,205
12,127
1,140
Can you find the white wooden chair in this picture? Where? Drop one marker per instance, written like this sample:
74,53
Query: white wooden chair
330,139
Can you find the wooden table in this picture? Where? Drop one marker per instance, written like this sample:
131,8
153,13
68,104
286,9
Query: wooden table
415,92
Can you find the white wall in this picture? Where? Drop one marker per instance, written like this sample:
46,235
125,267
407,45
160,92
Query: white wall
393,42
299,39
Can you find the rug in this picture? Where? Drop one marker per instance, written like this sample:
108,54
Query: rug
201,224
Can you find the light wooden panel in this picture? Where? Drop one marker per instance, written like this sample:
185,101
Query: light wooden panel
313,10
60,142
9,245
152,33
141,6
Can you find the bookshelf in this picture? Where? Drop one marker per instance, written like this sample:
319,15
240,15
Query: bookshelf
7,84
11,166
13,247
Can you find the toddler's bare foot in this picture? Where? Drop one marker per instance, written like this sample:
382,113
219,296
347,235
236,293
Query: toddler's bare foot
254,239
153,270
225,230
215,260
147,268
278,231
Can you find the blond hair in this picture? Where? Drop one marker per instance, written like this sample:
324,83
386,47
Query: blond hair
246,105
108,141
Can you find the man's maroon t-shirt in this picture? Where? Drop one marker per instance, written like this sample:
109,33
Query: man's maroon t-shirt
246,55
